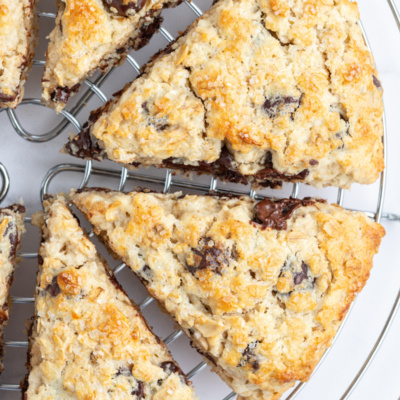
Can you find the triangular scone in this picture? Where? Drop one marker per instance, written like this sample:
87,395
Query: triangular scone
95,34
260,289
11,230
18,38
257,91
88,341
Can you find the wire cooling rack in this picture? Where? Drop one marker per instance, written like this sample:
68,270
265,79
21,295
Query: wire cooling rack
165,183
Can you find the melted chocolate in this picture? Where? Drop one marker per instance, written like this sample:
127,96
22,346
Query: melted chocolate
124,371
53,287
274,213
3,314
139,391
62,94
376,81
280,105
300,276
249,357
17,208
6,98
159,124
12,228
223,168
13,238
147,273
124,8
146,31
209,255
269,172
84,146
171,368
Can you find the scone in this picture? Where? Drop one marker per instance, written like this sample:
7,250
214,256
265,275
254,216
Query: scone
18,38
260,289
94,34
258,91
87,340
11,230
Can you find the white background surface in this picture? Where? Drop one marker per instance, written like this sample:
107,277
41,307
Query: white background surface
28,162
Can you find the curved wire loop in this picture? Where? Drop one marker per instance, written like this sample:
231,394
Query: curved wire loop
5,182
167,183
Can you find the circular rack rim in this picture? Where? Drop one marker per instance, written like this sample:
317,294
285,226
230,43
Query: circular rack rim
93,89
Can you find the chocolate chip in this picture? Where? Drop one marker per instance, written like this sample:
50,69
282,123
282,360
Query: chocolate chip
113,280
124,371
93,358
171,368
281,105
274,213
249,357
4,314
18,208
224,168
62,94
226,160
313,162
124,8
13,238
339,135
139,391
146,273
160,124
269,172
376,81
209,255
85,146
5,98
300,276
53,287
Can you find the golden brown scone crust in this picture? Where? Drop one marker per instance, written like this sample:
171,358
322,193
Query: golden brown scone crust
90,34
18,39
11,230
289,88
88,341
262,305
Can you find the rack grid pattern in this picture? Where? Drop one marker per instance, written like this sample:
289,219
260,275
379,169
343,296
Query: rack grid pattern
166,183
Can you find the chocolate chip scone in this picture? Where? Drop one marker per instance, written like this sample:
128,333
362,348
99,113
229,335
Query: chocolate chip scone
258,91
11,230
18,38
87,340
260,289
95,34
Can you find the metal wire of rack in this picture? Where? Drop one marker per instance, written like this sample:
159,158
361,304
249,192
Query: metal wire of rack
167,183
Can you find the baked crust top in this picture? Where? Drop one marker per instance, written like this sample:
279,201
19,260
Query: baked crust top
91,34
261,289
11,231
289,90
18,37
88,340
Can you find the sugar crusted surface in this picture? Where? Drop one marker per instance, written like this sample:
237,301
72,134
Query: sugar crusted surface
288,85
87,338
261,304
18,38
11,231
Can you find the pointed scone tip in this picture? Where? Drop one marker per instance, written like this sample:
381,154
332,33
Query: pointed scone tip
18,39
87,339
11,231
95,34
261,288
256,92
